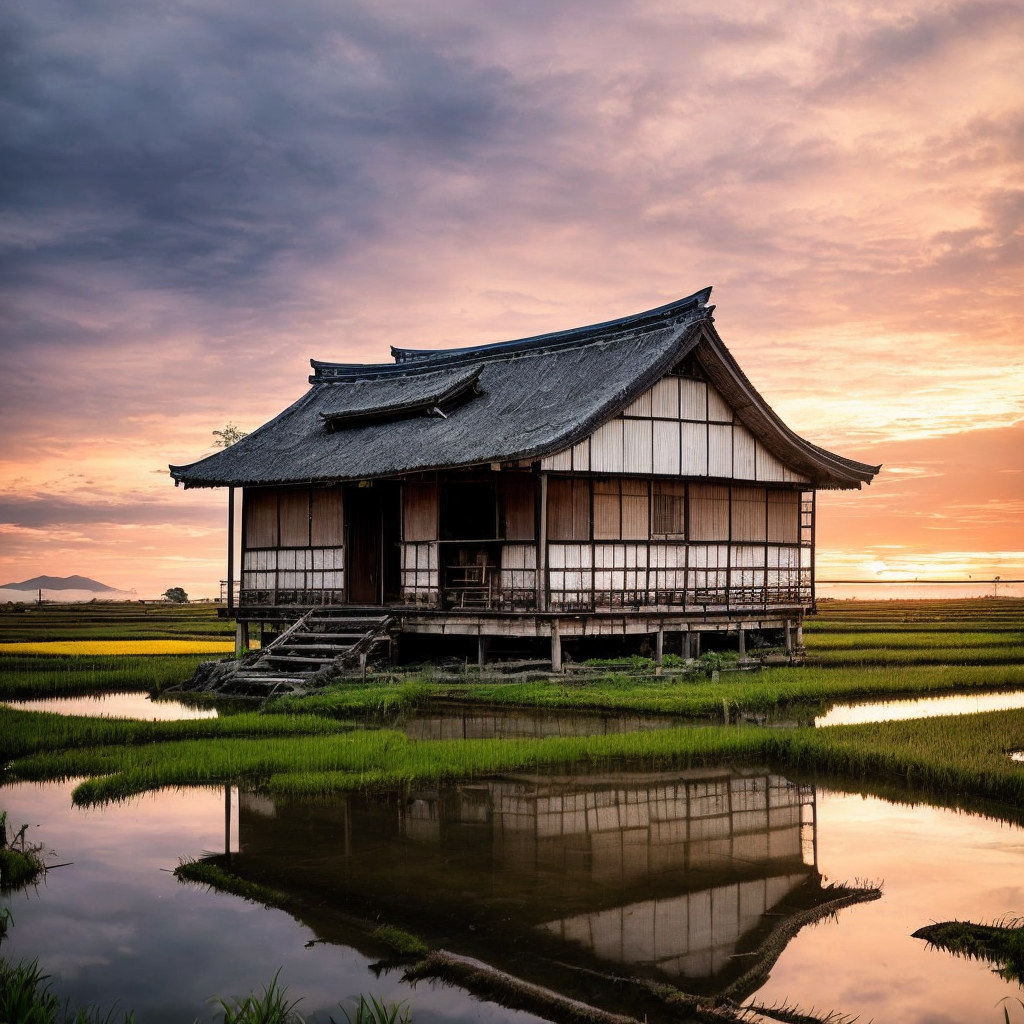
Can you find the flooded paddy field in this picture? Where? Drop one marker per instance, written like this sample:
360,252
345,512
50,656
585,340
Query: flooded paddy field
524,825
567,881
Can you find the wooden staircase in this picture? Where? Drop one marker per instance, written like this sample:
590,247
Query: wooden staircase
322,637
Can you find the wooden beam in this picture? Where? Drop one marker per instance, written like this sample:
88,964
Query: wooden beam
231,550
542,548
556,647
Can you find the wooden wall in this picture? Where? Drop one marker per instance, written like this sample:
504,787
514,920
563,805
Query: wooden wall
680,427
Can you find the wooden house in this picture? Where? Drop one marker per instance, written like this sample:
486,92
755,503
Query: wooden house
623,478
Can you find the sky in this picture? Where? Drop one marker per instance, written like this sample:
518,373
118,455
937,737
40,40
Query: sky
197,197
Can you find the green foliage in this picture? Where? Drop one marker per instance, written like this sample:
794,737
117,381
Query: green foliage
176,595
23,733
28,676
20,861
271,1007
401,942
376,1011
1001,943
210,872
25,998
228,436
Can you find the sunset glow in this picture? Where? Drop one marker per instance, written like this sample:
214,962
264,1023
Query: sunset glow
201,198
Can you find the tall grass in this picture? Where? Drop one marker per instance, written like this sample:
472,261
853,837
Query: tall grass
23,733
26,676
960,756
965,655
762,691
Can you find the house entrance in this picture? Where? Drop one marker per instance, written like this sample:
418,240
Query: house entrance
373,514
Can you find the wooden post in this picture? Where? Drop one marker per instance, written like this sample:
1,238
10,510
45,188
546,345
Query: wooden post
659,647
696,645
542,547
241,636
686,646
743,642
227,821
556,647
231,550
800,633
481,650
789,637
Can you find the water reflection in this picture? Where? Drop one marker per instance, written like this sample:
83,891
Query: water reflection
926,707
679,875
138,706
453,724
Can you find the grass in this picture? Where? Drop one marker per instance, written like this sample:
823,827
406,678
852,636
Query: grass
26,998
962,756
23,733
617,692
27,676
1001,944
210,872
109,620
401,942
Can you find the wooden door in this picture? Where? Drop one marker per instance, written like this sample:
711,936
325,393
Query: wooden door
363,509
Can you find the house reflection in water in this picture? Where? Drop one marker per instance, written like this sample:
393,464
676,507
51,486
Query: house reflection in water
675,875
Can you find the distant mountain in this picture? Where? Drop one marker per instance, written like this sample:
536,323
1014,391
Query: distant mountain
61,583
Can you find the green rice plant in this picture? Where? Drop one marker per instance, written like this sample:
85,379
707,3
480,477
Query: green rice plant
401,942
1007,655
817,642
26,676
26,732
964,756
26,998
376,1011
271,1007
1001,943
210,872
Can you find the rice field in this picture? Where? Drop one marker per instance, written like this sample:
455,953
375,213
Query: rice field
108,620
115,647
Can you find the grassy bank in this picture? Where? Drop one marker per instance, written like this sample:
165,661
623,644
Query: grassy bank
960,756
23,733
757,691
24,676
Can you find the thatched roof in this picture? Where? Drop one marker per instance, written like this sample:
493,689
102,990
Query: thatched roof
506,402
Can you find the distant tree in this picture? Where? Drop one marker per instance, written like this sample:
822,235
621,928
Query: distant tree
228,436
176,595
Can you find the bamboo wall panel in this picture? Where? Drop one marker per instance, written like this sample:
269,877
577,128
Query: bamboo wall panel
719,410
293,516
581,456
694,449
749,514
666,460
635,510
607,509
568,509
783,517
560,462
743,453
641,407
669,509
665,399
719,450
709,512
638,447
606,448
518,494
419,511
327,522
693,399
769,468
260,514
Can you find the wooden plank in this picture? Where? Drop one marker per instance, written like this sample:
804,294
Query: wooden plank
709,512
635,510
517,495
419,511
749,514
293,516
259,517
783,517
327,526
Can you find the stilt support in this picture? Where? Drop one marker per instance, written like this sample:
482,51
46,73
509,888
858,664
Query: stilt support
743,642
556,647
481,650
